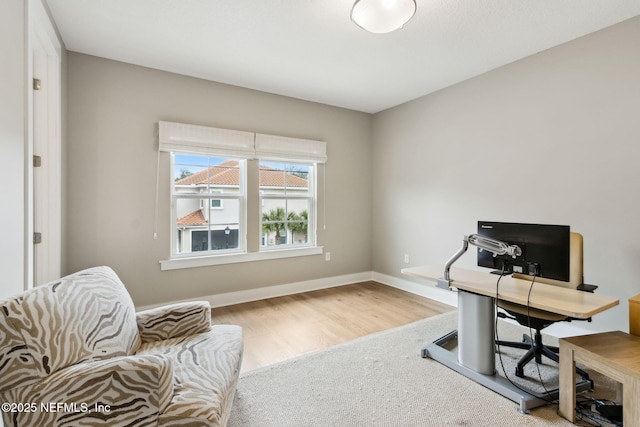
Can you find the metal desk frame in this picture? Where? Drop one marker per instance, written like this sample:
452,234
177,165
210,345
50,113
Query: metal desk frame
475,356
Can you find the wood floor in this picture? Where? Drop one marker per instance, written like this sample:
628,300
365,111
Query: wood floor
280,328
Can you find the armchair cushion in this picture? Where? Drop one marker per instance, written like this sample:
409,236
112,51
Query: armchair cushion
129,390
206,371
175,320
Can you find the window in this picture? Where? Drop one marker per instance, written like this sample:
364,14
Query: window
215,203
225,180
201,223
287,199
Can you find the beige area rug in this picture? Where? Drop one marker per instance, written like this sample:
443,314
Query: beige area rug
381,380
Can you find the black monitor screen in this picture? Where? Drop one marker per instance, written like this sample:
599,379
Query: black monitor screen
545,249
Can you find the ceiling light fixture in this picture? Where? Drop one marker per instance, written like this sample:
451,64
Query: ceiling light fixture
382,16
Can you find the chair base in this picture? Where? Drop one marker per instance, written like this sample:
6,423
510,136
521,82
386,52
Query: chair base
535,350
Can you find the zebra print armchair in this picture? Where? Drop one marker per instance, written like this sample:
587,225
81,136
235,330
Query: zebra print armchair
75,353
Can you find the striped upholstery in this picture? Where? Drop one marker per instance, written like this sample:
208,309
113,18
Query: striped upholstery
78,342
207,371
84,317
175,320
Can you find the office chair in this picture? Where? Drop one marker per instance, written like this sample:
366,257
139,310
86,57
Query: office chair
539,319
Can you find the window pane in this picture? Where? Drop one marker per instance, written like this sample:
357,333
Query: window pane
207,194
218,239
285,222
198,174
284,178
225,224
199,227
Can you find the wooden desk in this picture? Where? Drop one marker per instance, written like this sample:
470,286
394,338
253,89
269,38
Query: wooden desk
614,354
569,302
475,336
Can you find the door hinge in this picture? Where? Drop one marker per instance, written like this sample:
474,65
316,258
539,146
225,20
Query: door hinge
37,161
37,84
37,238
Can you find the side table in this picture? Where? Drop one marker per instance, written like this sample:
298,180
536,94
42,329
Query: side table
614,354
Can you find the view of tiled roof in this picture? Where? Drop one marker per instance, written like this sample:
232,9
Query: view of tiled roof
194,218
227,173
275,178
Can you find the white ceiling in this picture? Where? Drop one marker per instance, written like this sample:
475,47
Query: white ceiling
310,49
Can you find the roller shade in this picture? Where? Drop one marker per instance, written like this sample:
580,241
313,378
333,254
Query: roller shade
272,147
205,140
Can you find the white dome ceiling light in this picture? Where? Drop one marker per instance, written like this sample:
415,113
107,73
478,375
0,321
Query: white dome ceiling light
382,16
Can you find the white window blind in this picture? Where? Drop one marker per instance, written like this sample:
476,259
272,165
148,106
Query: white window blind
205,140
271,147
180,137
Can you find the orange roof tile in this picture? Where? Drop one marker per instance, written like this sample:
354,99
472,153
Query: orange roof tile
194,218
277,178
227,173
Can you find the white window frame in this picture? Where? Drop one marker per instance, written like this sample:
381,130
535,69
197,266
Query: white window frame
311,196
240,196
191,139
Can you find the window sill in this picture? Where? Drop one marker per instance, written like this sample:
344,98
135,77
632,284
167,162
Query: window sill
179,263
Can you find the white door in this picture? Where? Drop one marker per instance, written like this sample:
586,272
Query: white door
45,162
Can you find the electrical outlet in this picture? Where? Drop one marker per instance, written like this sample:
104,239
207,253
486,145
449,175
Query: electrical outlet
327,256
406,258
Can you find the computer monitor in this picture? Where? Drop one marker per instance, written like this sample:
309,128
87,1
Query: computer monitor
545,249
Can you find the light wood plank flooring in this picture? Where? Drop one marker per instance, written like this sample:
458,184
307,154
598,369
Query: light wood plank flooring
280,328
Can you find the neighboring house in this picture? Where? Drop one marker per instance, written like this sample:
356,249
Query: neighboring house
284,218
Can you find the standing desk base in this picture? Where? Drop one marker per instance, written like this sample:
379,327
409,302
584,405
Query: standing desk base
526,399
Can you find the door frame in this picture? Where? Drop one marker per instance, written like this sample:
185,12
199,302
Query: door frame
44,129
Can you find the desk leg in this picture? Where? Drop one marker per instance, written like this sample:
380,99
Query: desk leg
567,383
630,407
476,332
619,393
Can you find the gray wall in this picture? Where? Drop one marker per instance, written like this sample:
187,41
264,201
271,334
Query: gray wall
13,116
553,138
113,109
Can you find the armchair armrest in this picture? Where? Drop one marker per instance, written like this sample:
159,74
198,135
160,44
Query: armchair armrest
175,320
112,392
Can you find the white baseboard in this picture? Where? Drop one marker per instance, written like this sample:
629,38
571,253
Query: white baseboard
424,289
239,297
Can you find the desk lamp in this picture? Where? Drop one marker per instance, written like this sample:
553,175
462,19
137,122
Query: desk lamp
496,247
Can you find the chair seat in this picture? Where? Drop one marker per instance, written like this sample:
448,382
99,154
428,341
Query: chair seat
206,368
530,311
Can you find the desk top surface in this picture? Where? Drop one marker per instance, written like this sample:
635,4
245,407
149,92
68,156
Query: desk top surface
568,302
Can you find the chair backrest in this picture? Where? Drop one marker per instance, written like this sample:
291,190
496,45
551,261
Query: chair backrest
85,316
575,266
